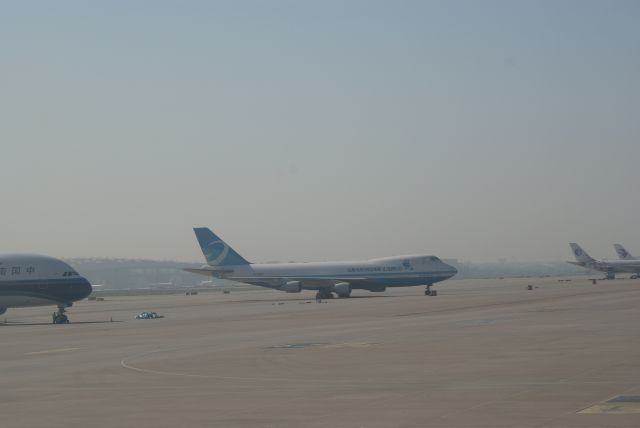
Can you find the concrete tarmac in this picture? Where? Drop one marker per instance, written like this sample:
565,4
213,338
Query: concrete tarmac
483,353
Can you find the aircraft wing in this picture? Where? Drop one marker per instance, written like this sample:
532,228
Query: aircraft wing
207,272
308,280
276,281
593,266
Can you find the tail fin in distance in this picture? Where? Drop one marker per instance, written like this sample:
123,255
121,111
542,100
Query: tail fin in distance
581,255
622,253
215,250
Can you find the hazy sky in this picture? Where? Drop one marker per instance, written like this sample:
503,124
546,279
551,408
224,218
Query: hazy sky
323,130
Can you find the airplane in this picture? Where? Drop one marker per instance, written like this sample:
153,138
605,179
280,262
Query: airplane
623,254
326,277
609,267
36,280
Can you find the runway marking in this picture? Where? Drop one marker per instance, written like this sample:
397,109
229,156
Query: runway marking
621,404
350,345
612,408
128,366
323,345
125,364
52,351
297,345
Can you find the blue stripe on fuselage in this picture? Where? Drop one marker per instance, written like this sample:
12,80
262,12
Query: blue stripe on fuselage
63,290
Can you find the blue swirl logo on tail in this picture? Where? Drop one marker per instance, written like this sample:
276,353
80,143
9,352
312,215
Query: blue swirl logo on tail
215,252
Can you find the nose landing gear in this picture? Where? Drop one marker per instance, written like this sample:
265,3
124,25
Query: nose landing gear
429,292
60,317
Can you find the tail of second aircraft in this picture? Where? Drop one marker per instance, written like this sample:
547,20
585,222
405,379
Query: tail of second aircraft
215,250
581,255
622,253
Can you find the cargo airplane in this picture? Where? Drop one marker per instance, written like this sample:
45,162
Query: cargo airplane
609,267
325,277
34,280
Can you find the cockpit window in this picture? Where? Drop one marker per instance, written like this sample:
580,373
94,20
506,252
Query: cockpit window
434,259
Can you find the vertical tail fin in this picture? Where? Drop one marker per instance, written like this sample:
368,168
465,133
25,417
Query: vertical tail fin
215,250
622,253
581,255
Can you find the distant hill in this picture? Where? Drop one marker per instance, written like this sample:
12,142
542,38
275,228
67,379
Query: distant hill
128,273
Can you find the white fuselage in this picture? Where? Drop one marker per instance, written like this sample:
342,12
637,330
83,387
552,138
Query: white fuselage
374,275
622,266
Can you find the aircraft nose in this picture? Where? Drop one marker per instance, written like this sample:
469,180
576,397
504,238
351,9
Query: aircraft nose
453,270
86,288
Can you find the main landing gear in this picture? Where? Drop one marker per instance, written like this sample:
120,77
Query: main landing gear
60,317
324,294
429,292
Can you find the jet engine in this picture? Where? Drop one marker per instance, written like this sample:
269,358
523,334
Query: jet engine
342,289
3,310
292,287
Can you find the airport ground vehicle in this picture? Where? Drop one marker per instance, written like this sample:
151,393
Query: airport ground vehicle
148,315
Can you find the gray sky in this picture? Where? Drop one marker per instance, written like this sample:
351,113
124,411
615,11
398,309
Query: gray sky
320,130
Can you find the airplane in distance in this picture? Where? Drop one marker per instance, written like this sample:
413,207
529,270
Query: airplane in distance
35,280
623,254
609,267
326,277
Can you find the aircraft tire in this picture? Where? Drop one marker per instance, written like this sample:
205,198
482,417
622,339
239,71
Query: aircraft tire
324,295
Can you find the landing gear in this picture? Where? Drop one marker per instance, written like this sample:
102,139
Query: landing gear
60,317
428,291
324,294
610,274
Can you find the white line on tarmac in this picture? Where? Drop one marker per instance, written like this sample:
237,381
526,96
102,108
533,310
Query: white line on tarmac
51,351
124,364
